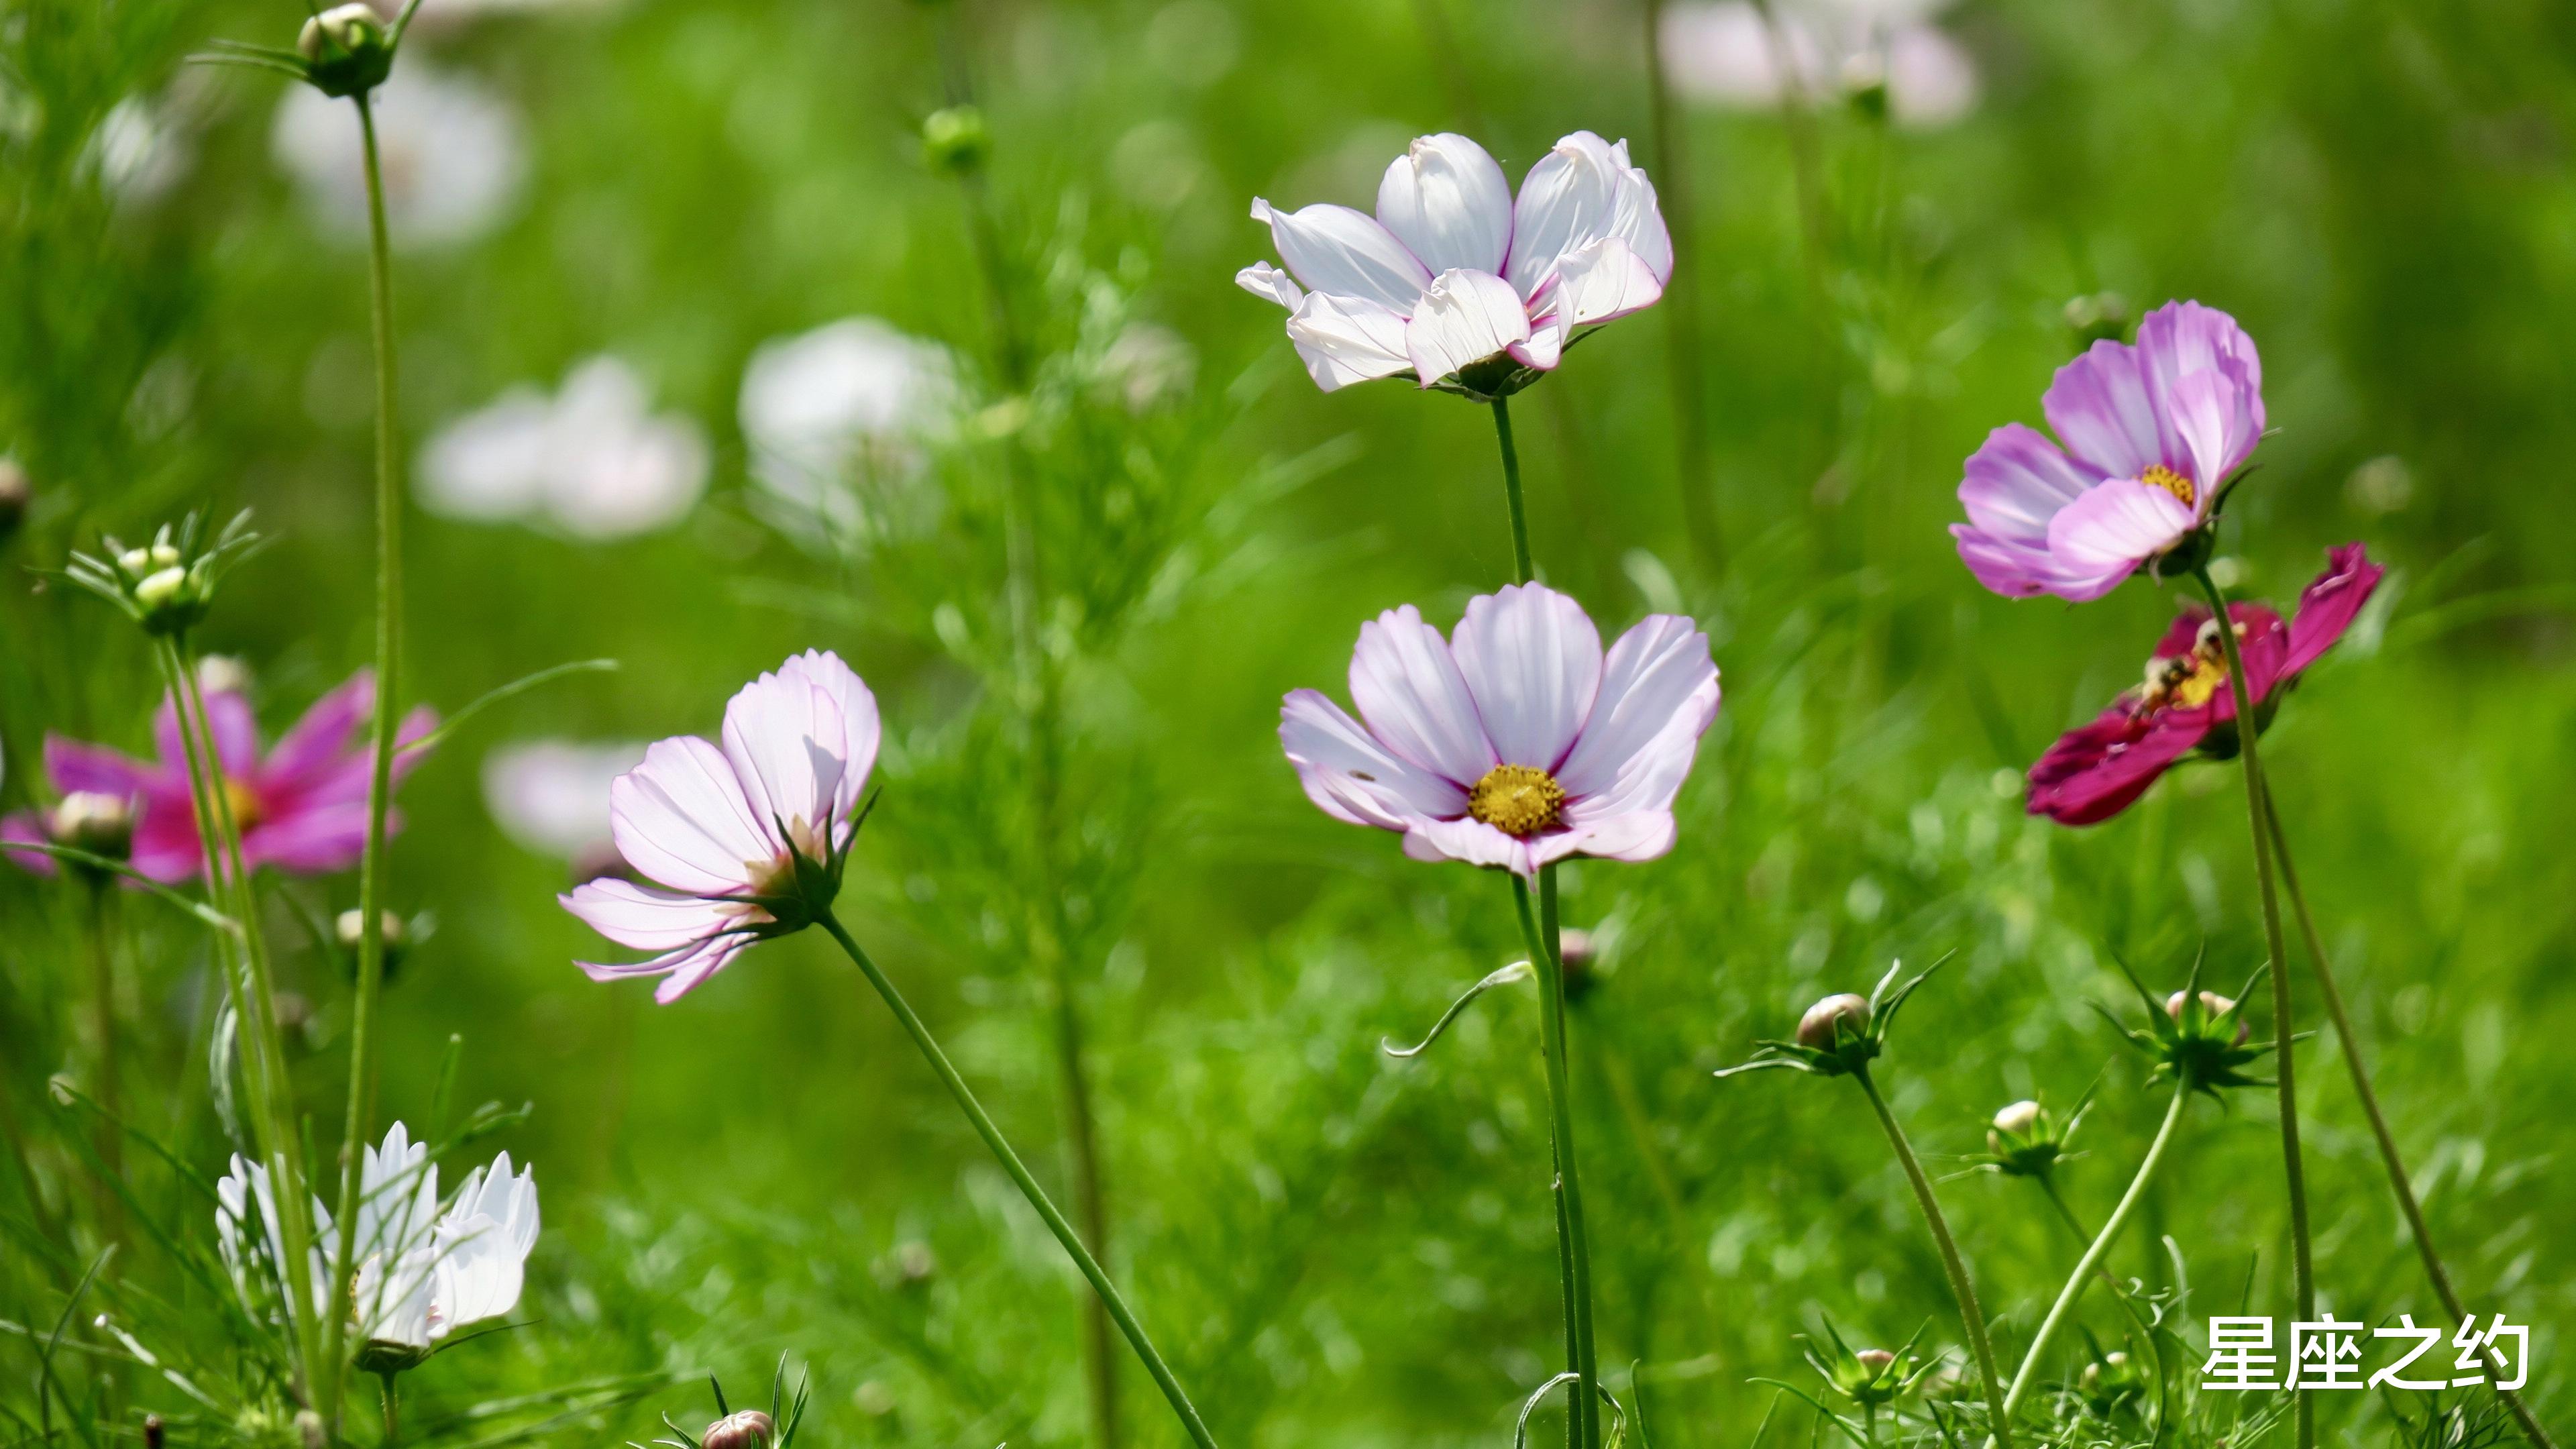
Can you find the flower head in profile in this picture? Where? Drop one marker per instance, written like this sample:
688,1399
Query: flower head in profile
1455,282
424,1267
301,806
2185,705
2147,439
747,840
1516,742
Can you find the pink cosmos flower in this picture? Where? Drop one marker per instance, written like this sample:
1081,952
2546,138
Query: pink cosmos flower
1516,742
2149,435
747,839
2093,773
1456,283
302,807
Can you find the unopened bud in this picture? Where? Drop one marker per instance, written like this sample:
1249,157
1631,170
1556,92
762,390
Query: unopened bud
1817,1028
155,1433
158,588
2018,1118
346,49
103,825
955,141
745,1429
2212,1003
135,562
16,492
1874,1361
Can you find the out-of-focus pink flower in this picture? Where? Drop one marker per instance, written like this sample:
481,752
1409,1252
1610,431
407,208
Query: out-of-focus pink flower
746,839
1724,53
2093,772
2149,434
1516,742
302,807
1453,275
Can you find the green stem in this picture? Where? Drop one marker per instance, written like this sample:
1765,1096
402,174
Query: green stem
364,1026
1028,1185
2083,1234
1541,932
1522,569
102,958
2388,1156
1971,1316
393,1411
2247,728
2084,1268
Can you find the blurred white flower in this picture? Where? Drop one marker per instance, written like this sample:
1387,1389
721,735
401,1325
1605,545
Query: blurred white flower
1722,53
593,460
453,159
1147,364
551,796
139,155
850,397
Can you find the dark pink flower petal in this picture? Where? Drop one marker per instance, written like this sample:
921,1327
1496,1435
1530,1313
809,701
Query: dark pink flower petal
26,827
228,717
313,840
73,766
327,734
2095,771
2329,605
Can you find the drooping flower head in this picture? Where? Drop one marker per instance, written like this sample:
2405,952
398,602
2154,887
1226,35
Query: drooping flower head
2146,437
1516,742
2093,772
423,1267
747,839
301,807
1456,283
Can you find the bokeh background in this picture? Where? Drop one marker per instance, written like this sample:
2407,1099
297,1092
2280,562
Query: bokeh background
1330,1244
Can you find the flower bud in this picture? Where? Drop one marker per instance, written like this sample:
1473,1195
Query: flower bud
155,1433
2212,1003
1817,1029
346,50
2098,317
1875,1360
745,1429
2018,1118
15,494
1576,953
1864,79
103,825
955,141
158,588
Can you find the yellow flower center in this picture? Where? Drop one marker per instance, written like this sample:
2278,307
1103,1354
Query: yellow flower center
244,805
1517,800
2160,476
2191,680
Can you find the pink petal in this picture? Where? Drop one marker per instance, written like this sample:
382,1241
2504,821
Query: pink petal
72,766
681,818
26,827
1450,205
1353,778
2208,413
684,970
1408,688
1630,835
2328,606
1658,678
1347,253
1469,840
2017,481
228,718
785,736
314,839
2102,537
2184,339
2099,407
861,730
1465,318
645,917
1532,662
326,733
2096,771
2014,569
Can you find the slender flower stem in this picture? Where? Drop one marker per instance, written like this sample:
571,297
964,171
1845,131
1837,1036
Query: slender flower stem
364,1026
392,1398
102,961
2388,1155
1522,569
1541,933
1028,1185
2092,1258
2084,1234
1972,1317
1681,303
2247,728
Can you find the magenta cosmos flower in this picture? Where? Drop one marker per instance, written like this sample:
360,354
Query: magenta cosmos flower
302,807
1455,283
2094,772
746,839
2149,434
1515,743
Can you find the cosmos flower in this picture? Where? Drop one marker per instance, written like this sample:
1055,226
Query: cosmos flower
593,460
1516,742
853,397
551,796
453,158
1722,53
2093,772
1454,282
747,839
302,807
423,1268
2149,433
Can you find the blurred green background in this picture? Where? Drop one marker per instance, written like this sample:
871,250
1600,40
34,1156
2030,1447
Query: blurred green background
1331,1244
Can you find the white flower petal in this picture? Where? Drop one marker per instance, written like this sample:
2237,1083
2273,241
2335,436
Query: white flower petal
1345,252
644,917
1465,318
1408,688
1601,283
1532,660
1343,340
784,738
682,819
1264,280
1449,203
1565,203
1657,679
1351,776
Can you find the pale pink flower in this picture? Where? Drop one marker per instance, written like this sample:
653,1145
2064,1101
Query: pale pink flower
1516,742
1456,283
747,839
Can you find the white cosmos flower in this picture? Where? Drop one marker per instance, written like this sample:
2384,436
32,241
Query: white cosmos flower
453,159
551,796
592,460
1721,52
138,153
850,398
1454,272
422,1269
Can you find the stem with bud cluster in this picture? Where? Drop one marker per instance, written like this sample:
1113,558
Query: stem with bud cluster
1972,1317
2101,1244
2397,1180
1110,1299
2247,727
